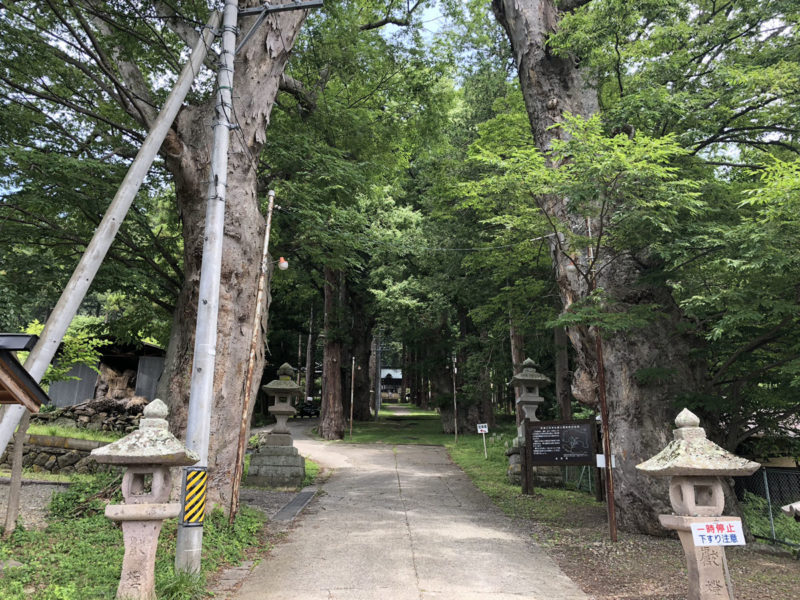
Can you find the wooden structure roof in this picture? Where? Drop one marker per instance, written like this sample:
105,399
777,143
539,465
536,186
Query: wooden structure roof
16,384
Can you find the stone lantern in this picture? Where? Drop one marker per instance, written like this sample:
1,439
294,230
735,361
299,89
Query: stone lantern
528,382
148,454
276,462
695,465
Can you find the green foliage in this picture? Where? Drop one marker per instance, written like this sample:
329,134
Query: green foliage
78,555
756,514
86,498
80,346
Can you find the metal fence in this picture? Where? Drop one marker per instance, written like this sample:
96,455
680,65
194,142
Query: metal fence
579,478
761,495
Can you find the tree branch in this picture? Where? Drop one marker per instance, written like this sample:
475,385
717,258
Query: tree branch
390,20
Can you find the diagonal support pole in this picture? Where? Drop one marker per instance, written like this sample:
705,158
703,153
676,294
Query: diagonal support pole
75,290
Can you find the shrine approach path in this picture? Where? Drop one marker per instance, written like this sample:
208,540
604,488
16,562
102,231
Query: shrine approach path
402,523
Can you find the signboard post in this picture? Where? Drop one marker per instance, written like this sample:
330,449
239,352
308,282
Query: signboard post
557,444
483,429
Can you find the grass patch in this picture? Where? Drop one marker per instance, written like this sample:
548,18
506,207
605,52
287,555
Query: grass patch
312,471
548,505
418,427
75,433
79,558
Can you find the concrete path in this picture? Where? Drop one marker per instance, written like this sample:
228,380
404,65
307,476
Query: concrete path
402,523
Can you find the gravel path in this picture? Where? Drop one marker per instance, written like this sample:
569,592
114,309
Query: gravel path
33,503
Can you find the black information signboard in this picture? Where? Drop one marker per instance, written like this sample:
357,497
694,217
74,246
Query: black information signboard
560,442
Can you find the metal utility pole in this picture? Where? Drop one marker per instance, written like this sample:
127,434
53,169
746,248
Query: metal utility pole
251,363
377,374
455,404
189,542
352,395
75,290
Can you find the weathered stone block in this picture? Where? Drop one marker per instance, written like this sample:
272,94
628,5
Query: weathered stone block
68,459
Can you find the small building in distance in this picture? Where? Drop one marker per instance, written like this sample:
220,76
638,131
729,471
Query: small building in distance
391,382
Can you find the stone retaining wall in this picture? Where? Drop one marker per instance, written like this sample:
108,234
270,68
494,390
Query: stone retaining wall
52,454
99,415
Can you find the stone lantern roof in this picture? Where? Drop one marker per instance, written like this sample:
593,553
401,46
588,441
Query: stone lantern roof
283,386
691,453
151,444
529,376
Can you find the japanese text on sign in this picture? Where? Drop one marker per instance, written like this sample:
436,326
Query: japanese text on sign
557,443
483,428
727,533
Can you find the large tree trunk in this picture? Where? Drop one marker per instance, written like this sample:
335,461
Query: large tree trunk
311,345
563,395
331,425
258,70
640,415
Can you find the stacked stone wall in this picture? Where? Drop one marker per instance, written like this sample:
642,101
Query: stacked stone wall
53,454
104,414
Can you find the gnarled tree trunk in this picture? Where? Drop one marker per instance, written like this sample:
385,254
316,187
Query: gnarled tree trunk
257,73
331,426
640,415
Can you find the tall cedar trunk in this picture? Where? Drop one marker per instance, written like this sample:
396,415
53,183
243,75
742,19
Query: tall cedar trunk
361,394
563,396
331,425
361,325
311,345
640,416
256,78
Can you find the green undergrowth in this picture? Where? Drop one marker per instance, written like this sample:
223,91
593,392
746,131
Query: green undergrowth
756,514
74,433
79,555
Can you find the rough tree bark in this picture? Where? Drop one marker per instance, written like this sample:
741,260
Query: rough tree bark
563,395
311,345
331,426
640,416
256,78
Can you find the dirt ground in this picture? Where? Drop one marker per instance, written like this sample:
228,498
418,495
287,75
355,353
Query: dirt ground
33,502
640,567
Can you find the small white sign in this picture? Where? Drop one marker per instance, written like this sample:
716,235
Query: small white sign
718,533
483,428
601,461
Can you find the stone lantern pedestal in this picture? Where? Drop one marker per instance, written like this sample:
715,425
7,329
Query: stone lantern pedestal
695,465
148,454
276,463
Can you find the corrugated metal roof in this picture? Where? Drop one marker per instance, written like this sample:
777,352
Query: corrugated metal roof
393,373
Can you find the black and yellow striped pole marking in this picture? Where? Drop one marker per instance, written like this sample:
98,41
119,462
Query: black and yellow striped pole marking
194,496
